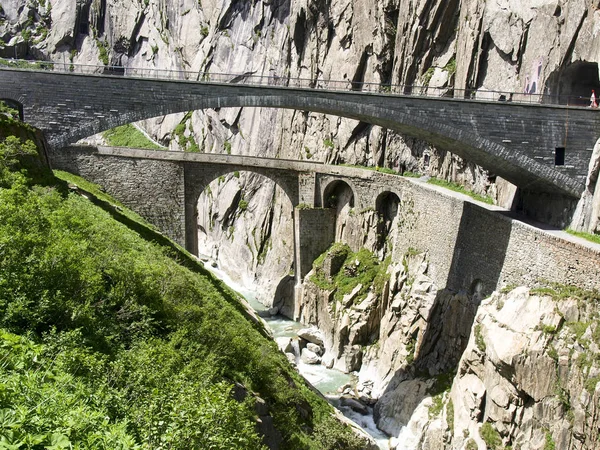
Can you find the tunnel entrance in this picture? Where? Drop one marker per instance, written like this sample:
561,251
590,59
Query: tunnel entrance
572,85
387,210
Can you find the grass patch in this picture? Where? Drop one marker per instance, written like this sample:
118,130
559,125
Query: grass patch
587,236
129,136
459,188
408,173
565,291
110,337
361,267
490,436
479,341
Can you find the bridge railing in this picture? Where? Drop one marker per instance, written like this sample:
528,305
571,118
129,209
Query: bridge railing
252,79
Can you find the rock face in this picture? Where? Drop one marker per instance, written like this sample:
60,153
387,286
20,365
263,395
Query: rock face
530,371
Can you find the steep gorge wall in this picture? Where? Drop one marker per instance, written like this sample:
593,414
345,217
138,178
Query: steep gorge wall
436,362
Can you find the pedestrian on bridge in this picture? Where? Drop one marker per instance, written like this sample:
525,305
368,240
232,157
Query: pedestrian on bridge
593,103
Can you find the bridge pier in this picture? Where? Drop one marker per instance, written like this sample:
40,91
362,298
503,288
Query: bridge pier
314,232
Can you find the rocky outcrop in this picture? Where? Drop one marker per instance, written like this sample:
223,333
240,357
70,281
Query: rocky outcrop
528,375
443,368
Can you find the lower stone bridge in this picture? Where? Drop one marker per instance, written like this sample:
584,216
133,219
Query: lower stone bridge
164,188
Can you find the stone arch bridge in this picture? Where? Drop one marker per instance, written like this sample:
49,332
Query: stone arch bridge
539,148
164,188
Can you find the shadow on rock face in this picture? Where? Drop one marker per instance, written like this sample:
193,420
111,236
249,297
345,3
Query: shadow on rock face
475,272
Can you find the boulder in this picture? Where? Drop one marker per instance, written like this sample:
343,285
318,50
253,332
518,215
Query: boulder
354,404
309,357
285,344
314,348
311,335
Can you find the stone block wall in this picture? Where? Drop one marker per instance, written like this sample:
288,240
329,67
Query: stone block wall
153,189
468,244
314,232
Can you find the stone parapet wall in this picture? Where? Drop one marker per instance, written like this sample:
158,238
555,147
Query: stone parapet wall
472,247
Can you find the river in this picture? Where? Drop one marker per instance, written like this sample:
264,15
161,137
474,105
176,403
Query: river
327,381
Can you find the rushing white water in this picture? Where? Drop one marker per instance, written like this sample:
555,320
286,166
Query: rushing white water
327,381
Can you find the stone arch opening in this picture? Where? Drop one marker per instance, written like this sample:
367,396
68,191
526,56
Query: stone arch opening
573,84
228,206
13,104
386,205
339,195
477,290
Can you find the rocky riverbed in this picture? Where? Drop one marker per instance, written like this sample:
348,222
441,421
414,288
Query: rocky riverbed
304,348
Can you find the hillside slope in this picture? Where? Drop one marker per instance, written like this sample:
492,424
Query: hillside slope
107,342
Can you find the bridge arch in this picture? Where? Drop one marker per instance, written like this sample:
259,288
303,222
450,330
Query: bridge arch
198,178
337,193
387,205
489,134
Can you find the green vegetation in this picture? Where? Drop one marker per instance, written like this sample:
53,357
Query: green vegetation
490,436
451,66
549,444
103,51
129,136
458,188
508,288
8,113
106,341
361,267
562,292
227,147
34,65
450,416
428,75
471,444
188,143
582,234
479,341
408,173
328,143
386,170
243,204
436,406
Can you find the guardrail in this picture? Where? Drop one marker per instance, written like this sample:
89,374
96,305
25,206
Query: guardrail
302,83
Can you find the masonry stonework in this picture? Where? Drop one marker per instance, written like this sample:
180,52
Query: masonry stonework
514,141
468,246
153,189
314,233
